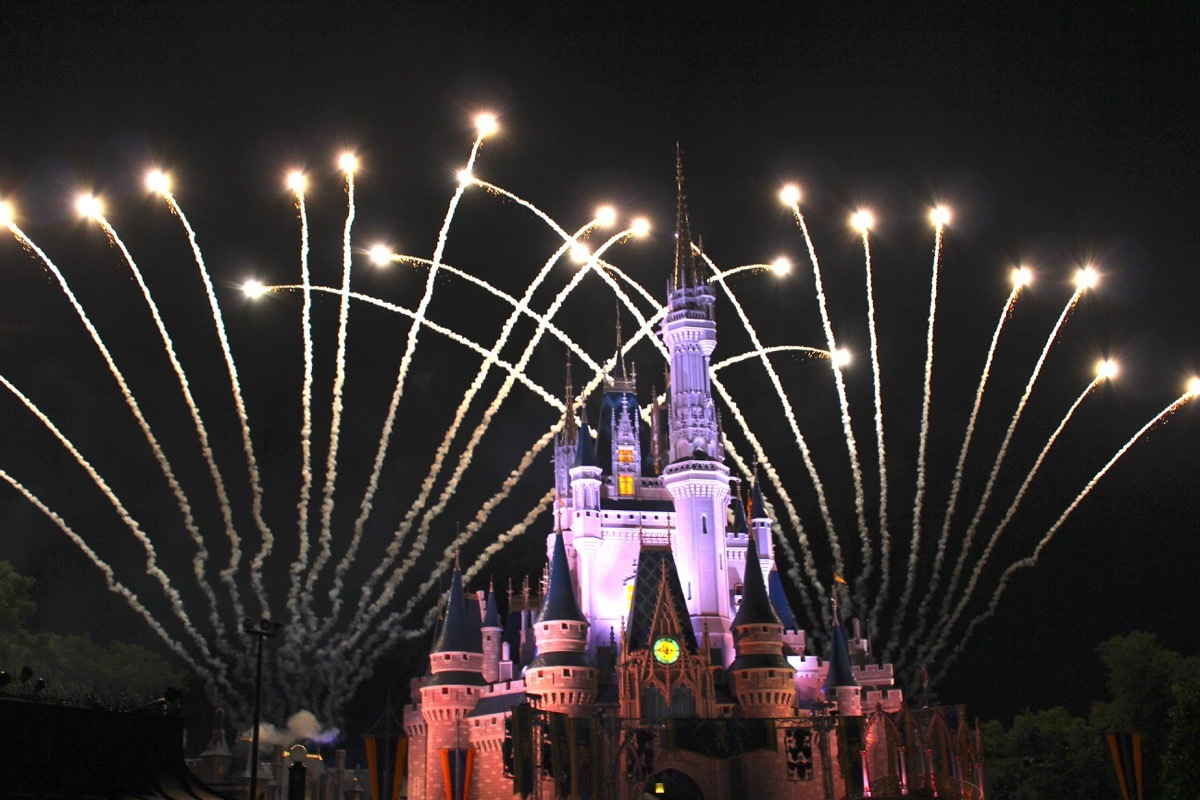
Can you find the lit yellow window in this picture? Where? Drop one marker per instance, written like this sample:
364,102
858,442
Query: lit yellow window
625,484
624,456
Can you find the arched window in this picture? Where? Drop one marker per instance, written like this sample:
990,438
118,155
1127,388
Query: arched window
654,705
683,702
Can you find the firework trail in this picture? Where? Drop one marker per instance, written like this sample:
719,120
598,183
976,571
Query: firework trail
956,484
766,351
919,500
448,490
885,539
469,396
1032,560
152,567
298,566
113,584
969,591
201,558
1003,451
847,430
256,504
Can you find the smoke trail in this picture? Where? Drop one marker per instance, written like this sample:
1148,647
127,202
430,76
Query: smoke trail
335,425
189,522
1037,552
919,499
847,429
214,678
956,485
306,475
268,538
885,538
152,567
1008,515
1003,451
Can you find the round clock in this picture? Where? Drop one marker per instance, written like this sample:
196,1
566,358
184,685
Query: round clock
666,650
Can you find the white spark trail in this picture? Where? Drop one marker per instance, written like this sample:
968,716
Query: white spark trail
922,447
956,484
256,492
459,415
847,428
1032,560
152,568
1003,451
298,566
969,591
201,558
325,539
766,351
885,537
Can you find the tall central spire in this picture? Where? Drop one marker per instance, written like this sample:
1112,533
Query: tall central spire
685,260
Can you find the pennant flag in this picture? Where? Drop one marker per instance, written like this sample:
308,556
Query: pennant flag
457,763
1126,750
372,764
400,768
839,579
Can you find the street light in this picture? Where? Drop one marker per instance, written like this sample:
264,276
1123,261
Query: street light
261,630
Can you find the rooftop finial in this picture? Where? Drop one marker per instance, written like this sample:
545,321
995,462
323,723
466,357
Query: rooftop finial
570,428
620,346
685,259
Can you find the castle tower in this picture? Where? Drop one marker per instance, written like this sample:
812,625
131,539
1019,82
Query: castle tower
762,677
455,685
491,630
841,686
566,442
561,677
695,475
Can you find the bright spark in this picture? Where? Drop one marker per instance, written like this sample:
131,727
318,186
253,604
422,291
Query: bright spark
89,206
781,266
486,124
158,181
380,255
1087,278
862,220
297,182
790,194
1193,387
841,357
940,216
254,289
580,254
348,163
6,213
1106,369
606,216
1022,276
465,177
640,226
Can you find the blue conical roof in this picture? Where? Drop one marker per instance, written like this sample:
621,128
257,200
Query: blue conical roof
756,608
459,634
780,602
491,615
840,672
585,450
739,514
560,603
756,502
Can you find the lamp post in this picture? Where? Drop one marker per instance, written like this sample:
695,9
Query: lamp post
261,630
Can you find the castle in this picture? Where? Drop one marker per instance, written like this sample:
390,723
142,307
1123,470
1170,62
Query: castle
663,659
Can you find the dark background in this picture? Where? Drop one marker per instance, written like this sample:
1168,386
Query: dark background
1059,134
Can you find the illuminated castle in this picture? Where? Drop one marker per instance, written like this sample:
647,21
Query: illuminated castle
663,658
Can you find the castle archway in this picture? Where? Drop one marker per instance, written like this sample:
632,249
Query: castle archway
671,784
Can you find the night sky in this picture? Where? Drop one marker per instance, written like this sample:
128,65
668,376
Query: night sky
1058,135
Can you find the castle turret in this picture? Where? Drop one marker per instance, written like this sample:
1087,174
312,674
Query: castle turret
456,680
695,477
762,677
561,677
566,442
492,631
841,686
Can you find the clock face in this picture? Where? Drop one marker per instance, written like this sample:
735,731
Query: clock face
666,650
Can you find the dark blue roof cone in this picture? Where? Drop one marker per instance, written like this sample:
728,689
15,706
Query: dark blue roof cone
780,602
585,450
758,507
756,608
840,672
560,603
458,634
739,514
491,615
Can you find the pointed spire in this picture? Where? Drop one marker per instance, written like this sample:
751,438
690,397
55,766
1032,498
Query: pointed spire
457,635
570,427
559,603
491,614
840,671
685,260
739,514
780,602
758,508
756,608
620,343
